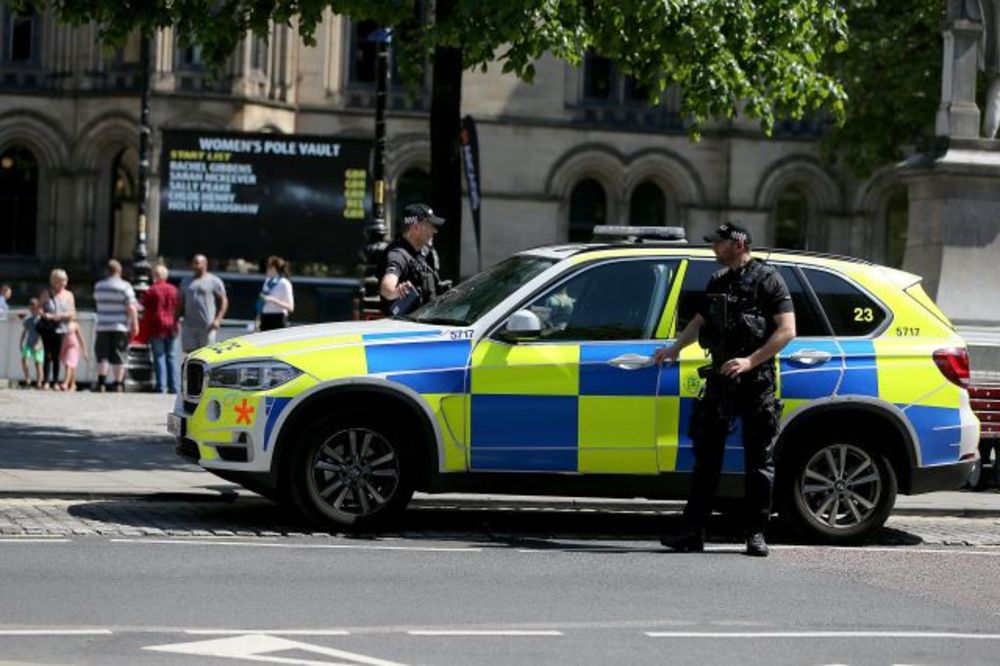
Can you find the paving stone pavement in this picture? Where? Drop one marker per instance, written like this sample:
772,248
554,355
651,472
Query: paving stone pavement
132,517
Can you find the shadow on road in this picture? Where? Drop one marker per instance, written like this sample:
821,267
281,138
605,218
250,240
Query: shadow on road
55,448
515,528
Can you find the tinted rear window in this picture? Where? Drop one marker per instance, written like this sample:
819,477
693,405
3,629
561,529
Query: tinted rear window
807,324
851,312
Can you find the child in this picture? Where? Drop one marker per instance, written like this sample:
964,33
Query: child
31,344
72,344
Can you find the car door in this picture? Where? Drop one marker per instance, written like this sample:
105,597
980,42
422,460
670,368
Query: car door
809,367
582,395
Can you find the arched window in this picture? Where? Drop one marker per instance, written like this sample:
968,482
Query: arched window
897,218
588,206
648,206
791,219
414,186
18,201
124,204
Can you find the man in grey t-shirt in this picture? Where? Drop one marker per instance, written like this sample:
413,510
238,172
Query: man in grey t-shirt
203,304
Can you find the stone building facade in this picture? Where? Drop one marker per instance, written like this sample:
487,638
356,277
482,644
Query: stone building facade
579,146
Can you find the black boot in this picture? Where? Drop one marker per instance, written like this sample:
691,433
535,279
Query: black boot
756,546
689,541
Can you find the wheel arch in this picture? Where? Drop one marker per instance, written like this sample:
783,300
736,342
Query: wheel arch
893,433
372,393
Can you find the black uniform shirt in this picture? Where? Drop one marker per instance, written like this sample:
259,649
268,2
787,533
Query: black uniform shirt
767,289
409,265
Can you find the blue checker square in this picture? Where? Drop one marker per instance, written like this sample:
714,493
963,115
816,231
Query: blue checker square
403,356
861,373
804,382
599,378
939,431
432,381
513,421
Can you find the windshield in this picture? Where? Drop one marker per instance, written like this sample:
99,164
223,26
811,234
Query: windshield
473,298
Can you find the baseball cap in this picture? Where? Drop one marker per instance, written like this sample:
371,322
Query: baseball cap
419,212
729,231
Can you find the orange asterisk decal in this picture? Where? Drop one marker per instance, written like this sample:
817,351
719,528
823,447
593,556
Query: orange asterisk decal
244,412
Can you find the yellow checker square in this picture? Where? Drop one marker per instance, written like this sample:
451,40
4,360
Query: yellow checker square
668,416
907,375
450,412
540,369
332,363
616,434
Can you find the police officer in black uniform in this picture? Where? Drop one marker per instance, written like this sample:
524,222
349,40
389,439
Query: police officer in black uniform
744,319
406,279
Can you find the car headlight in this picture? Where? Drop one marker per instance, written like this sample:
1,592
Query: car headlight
252,375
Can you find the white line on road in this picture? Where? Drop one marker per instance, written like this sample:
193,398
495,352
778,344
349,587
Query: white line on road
823,634
900,549
481,632
269,632
33,540
320,546
55,632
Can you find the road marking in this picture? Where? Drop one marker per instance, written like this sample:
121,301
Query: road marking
255,647
900,549
823,634
269,632
33,539
320,546
482,632
55,632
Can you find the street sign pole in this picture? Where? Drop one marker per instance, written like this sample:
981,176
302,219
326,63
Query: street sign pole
376,231
140,264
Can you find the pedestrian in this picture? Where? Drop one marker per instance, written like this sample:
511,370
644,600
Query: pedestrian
117,322
72,346
4,300
406,279
159,320
203,304
744,320
277,299
31,344
58,309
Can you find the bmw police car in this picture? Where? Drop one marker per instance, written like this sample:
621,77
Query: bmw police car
536,377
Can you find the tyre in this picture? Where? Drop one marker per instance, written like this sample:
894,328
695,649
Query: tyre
837,491
352,470
987,469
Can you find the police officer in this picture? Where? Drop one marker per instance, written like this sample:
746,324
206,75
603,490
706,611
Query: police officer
744,320
406,279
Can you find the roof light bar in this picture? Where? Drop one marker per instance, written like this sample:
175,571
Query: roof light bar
633,234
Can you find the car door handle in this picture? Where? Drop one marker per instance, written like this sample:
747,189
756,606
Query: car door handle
631,361
810,357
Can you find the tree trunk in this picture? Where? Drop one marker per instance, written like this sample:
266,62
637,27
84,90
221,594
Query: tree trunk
446,166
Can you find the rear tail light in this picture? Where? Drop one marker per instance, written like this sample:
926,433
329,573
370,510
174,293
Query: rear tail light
953,362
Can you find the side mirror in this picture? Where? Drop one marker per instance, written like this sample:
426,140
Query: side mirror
522,325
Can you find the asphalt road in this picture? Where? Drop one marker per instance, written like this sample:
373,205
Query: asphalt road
436,600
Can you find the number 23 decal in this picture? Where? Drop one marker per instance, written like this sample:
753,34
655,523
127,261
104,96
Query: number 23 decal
864,314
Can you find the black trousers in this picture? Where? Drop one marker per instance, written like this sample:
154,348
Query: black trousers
52,343
272,320
752,399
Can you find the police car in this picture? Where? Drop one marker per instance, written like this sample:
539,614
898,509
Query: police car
536,377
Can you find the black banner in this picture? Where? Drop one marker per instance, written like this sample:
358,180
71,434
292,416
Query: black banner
470,162
239,195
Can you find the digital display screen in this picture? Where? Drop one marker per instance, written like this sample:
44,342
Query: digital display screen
233,195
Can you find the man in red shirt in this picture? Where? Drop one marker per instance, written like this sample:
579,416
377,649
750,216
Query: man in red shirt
159,324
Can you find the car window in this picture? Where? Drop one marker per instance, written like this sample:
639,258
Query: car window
620,300
851,312
470,300
695,280
807,322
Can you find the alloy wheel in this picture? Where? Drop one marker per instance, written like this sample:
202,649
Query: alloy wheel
355,471
841,486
